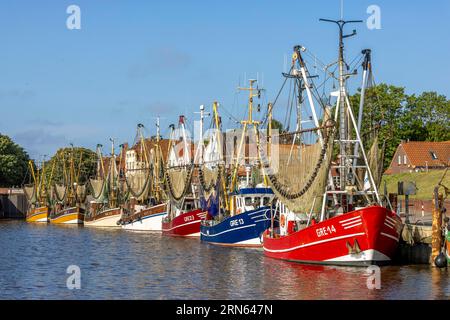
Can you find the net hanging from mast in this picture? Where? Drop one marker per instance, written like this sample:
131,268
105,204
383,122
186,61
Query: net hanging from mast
98,187
302,169
60,192
178,181
30,193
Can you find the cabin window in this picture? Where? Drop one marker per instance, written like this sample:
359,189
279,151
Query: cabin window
399,160
266,201
248,201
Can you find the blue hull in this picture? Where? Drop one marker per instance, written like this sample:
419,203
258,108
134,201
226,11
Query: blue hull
244,229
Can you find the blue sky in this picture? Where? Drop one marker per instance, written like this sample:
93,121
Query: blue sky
135,60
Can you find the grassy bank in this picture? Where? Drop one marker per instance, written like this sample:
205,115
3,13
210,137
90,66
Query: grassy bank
425,182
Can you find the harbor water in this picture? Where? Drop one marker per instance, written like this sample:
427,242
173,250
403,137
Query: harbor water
117,264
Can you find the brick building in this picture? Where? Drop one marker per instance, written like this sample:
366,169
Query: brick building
415,156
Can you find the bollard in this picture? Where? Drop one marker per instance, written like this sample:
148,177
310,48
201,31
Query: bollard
436,237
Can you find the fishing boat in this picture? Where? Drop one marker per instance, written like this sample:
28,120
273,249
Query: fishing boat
37,195
184,212
186,220
70,195
68,215
328,205
105,210
146,206
240,213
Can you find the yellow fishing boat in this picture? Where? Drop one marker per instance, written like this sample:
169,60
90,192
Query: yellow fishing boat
39,214
37,194
73,215
69,196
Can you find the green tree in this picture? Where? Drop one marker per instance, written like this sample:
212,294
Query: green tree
426,118
62,159
13,163
277,125
383,111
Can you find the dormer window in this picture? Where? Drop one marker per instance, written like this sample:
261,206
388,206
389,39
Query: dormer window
433,155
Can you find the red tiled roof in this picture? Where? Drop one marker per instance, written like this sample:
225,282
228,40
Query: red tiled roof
419,153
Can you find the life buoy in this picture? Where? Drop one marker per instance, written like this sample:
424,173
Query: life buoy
283,221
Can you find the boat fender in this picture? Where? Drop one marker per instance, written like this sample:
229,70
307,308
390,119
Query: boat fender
283,221
440,261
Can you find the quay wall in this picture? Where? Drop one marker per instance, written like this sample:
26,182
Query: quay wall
13,204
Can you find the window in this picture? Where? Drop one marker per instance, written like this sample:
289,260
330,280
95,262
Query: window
248,201
433,155
257,202
266,201
399,160
405,159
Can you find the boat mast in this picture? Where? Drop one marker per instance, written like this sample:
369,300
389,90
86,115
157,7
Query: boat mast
248,122
347,124
111,173
200,148
157,164
219,148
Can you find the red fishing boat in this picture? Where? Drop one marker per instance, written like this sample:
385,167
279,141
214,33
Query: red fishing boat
364,236
330,212
184,225
183,209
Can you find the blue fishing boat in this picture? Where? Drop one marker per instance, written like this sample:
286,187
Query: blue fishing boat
245,228
238,212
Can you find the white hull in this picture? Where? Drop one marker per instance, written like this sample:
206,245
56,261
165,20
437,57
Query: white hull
106,222
149,223
364,256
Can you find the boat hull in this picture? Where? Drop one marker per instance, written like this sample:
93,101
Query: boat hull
242,230
146,220
105,219
361,237
74,215
38,215
184,225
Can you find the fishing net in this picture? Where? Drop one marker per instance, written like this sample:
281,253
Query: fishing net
98,188
60,192
178,182
81,193
375,159
302,169
138,183
208,179
30,192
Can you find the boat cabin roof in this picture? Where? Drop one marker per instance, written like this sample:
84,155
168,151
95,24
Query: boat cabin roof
252,191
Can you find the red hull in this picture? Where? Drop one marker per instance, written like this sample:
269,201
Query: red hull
361,237
184,225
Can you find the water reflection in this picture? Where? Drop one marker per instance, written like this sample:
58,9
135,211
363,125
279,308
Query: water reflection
134,265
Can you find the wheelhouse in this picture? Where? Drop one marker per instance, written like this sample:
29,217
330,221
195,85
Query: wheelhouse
247,199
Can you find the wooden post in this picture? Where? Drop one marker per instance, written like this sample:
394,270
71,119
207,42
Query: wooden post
436,237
